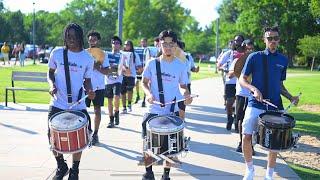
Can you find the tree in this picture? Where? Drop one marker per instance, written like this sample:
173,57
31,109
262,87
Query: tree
310,47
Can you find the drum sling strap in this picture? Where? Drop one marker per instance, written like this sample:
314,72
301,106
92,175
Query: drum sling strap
160,87
67,75
266,78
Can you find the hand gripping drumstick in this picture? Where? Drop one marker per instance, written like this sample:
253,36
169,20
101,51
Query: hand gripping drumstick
286,110
171,102
80,100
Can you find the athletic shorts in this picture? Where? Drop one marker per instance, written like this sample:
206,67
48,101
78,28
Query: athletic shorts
98,99
128,84
113,90
230,90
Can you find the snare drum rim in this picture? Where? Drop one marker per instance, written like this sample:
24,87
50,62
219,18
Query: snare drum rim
166,130
68,130
274,125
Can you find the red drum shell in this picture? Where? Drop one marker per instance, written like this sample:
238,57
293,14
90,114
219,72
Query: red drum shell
69,132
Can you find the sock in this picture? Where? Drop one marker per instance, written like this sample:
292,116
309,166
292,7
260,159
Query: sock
166,171
60,160
75,165
249,165
269,171
149,169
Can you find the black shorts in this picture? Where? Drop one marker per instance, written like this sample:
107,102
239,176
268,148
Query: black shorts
241,106
139,77
53,110
113,90
98,99
230,90
146,118
128,84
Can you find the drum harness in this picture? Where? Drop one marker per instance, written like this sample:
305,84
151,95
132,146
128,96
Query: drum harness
68,84
162,103
267,103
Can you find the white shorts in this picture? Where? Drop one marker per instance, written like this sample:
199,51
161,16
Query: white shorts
250,120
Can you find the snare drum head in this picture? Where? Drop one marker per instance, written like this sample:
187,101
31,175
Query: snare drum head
276,120
68,120
165,124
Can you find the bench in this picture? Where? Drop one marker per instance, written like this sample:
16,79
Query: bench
26,77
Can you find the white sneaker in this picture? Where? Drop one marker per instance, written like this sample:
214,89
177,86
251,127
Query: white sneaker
268,178
249,174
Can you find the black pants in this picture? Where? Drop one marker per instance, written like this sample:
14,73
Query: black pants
53,110
146,118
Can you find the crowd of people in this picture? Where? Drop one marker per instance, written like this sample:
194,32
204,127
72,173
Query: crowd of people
76,73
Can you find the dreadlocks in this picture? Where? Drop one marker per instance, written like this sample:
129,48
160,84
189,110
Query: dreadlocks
79,34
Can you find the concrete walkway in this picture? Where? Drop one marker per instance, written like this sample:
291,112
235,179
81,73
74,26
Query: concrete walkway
24,149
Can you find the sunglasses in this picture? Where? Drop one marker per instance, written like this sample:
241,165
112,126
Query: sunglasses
115,42
275,38
168,45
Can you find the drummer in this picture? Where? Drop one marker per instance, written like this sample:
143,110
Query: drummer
173,74
80,65
263,87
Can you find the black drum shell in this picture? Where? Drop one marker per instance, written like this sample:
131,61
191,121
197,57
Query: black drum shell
275,136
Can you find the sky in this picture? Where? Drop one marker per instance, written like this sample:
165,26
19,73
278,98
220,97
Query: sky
205,11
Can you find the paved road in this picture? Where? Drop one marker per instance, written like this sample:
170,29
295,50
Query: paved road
24,150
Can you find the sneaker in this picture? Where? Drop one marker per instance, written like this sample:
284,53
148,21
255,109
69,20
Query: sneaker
143,104
73,175
95,139
165,177
110,125
61,172
137,99
239,148
124,111
148,176
268,177
129,108
249,174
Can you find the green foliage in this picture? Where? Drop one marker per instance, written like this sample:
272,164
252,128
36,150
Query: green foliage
310,46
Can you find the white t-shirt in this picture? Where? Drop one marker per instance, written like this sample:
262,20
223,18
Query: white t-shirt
80,67
116,62
173,74
97,78
190,65
240,91
129,62
226,60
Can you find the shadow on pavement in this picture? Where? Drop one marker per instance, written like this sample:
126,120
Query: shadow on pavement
18,128
205,173
126,153
205,128
21,107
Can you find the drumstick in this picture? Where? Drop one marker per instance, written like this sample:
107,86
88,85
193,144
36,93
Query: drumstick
199,62
286,110
171,102
80,100
269,103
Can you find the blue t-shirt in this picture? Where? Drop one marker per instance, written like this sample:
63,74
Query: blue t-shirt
115,63
277,67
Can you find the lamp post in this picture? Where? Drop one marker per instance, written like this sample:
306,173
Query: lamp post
120,16
33,35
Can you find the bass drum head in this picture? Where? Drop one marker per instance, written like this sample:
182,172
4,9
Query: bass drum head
165,124
276,120
68,120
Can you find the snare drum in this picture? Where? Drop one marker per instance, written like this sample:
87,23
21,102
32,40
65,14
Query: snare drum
165,135
69,131
275,131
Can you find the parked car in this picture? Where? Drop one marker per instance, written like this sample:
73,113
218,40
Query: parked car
44,54
213,59
28,51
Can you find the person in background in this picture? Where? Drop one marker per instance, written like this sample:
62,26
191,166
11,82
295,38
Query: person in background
5,49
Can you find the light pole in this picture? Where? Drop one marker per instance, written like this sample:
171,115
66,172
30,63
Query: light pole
33,35
120,16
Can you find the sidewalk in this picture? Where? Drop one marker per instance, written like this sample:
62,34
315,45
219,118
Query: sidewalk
24,149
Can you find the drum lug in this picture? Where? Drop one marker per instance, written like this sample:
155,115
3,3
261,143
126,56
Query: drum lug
186,143
296,137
